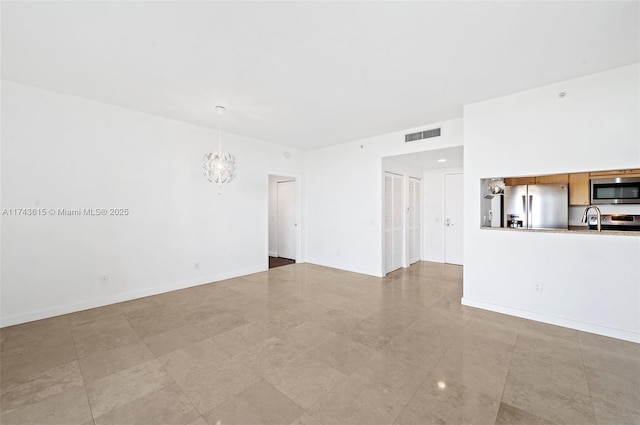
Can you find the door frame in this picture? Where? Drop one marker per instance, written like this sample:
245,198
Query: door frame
298,214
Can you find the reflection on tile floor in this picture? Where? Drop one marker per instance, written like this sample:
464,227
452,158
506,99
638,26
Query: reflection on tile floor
304,344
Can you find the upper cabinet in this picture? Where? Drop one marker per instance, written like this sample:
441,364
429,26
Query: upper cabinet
579,189
517,181
579,183
616,173
553,179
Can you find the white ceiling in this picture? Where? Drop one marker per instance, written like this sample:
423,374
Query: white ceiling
308,74
431,159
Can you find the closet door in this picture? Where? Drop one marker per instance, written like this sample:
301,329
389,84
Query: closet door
393,221
414,221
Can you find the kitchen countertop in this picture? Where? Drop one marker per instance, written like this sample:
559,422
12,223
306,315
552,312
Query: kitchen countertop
572,229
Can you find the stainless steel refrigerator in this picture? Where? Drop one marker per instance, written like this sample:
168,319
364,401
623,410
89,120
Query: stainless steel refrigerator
538,206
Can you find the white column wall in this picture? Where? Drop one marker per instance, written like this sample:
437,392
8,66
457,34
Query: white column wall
590,282
344,196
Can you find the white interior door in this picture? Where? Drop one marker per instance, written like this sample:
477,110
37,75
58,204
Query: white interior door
453,213
287,219
414,221
393,221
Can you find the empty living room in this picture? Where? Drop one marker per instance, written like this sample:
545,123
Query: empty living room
320,213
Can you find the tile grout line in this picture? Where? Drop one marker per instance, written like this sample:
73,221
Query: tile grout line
195,371
177,385
584,371
506,378
200,414
166,371
423,381
84,384
147,347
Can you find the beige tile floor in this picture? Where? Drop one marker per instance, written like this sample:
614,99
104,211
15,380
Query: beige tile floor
304,344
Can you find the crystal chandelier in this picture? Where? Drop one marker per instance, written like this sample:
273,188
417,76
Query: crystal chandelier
219,167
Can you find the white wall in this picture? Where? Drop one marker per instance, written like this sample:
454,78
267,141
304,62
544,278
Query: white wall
60,151
590,282
344,197
433,212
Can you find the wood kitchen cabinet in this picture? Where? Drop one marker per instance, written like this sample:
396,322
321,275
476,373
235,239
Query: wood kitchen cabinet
579,183
516,181
612,173
579,189
616,173
553,179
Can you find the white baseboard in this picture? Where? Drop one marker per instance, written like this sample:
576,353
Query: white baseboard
333,265
273,254
438,259
558,321
127,296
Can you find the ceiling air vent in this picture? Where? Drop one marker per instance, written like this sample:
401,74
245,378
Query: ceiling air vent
431,133
427,134
413,137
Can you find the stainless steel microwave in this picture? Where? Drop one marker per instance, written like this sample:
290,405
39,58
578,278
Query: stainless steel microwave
620,190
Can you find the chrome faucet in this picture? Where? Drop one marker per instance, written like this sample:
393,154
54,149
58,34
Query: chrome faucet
584,216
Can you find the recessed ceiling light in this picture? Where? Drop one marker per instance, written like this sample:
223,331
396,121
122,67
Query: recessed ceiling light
442,160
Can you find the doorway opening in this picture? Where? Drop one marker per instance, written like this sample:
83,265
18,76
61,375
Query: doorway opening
422,208
283,220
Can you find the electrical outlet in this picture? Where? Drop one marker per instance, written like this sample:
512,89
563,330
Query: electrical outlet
539,287
196,265
104,280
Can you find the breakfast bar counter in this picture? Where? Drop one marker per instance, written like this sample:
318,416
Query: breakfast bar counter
572,229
